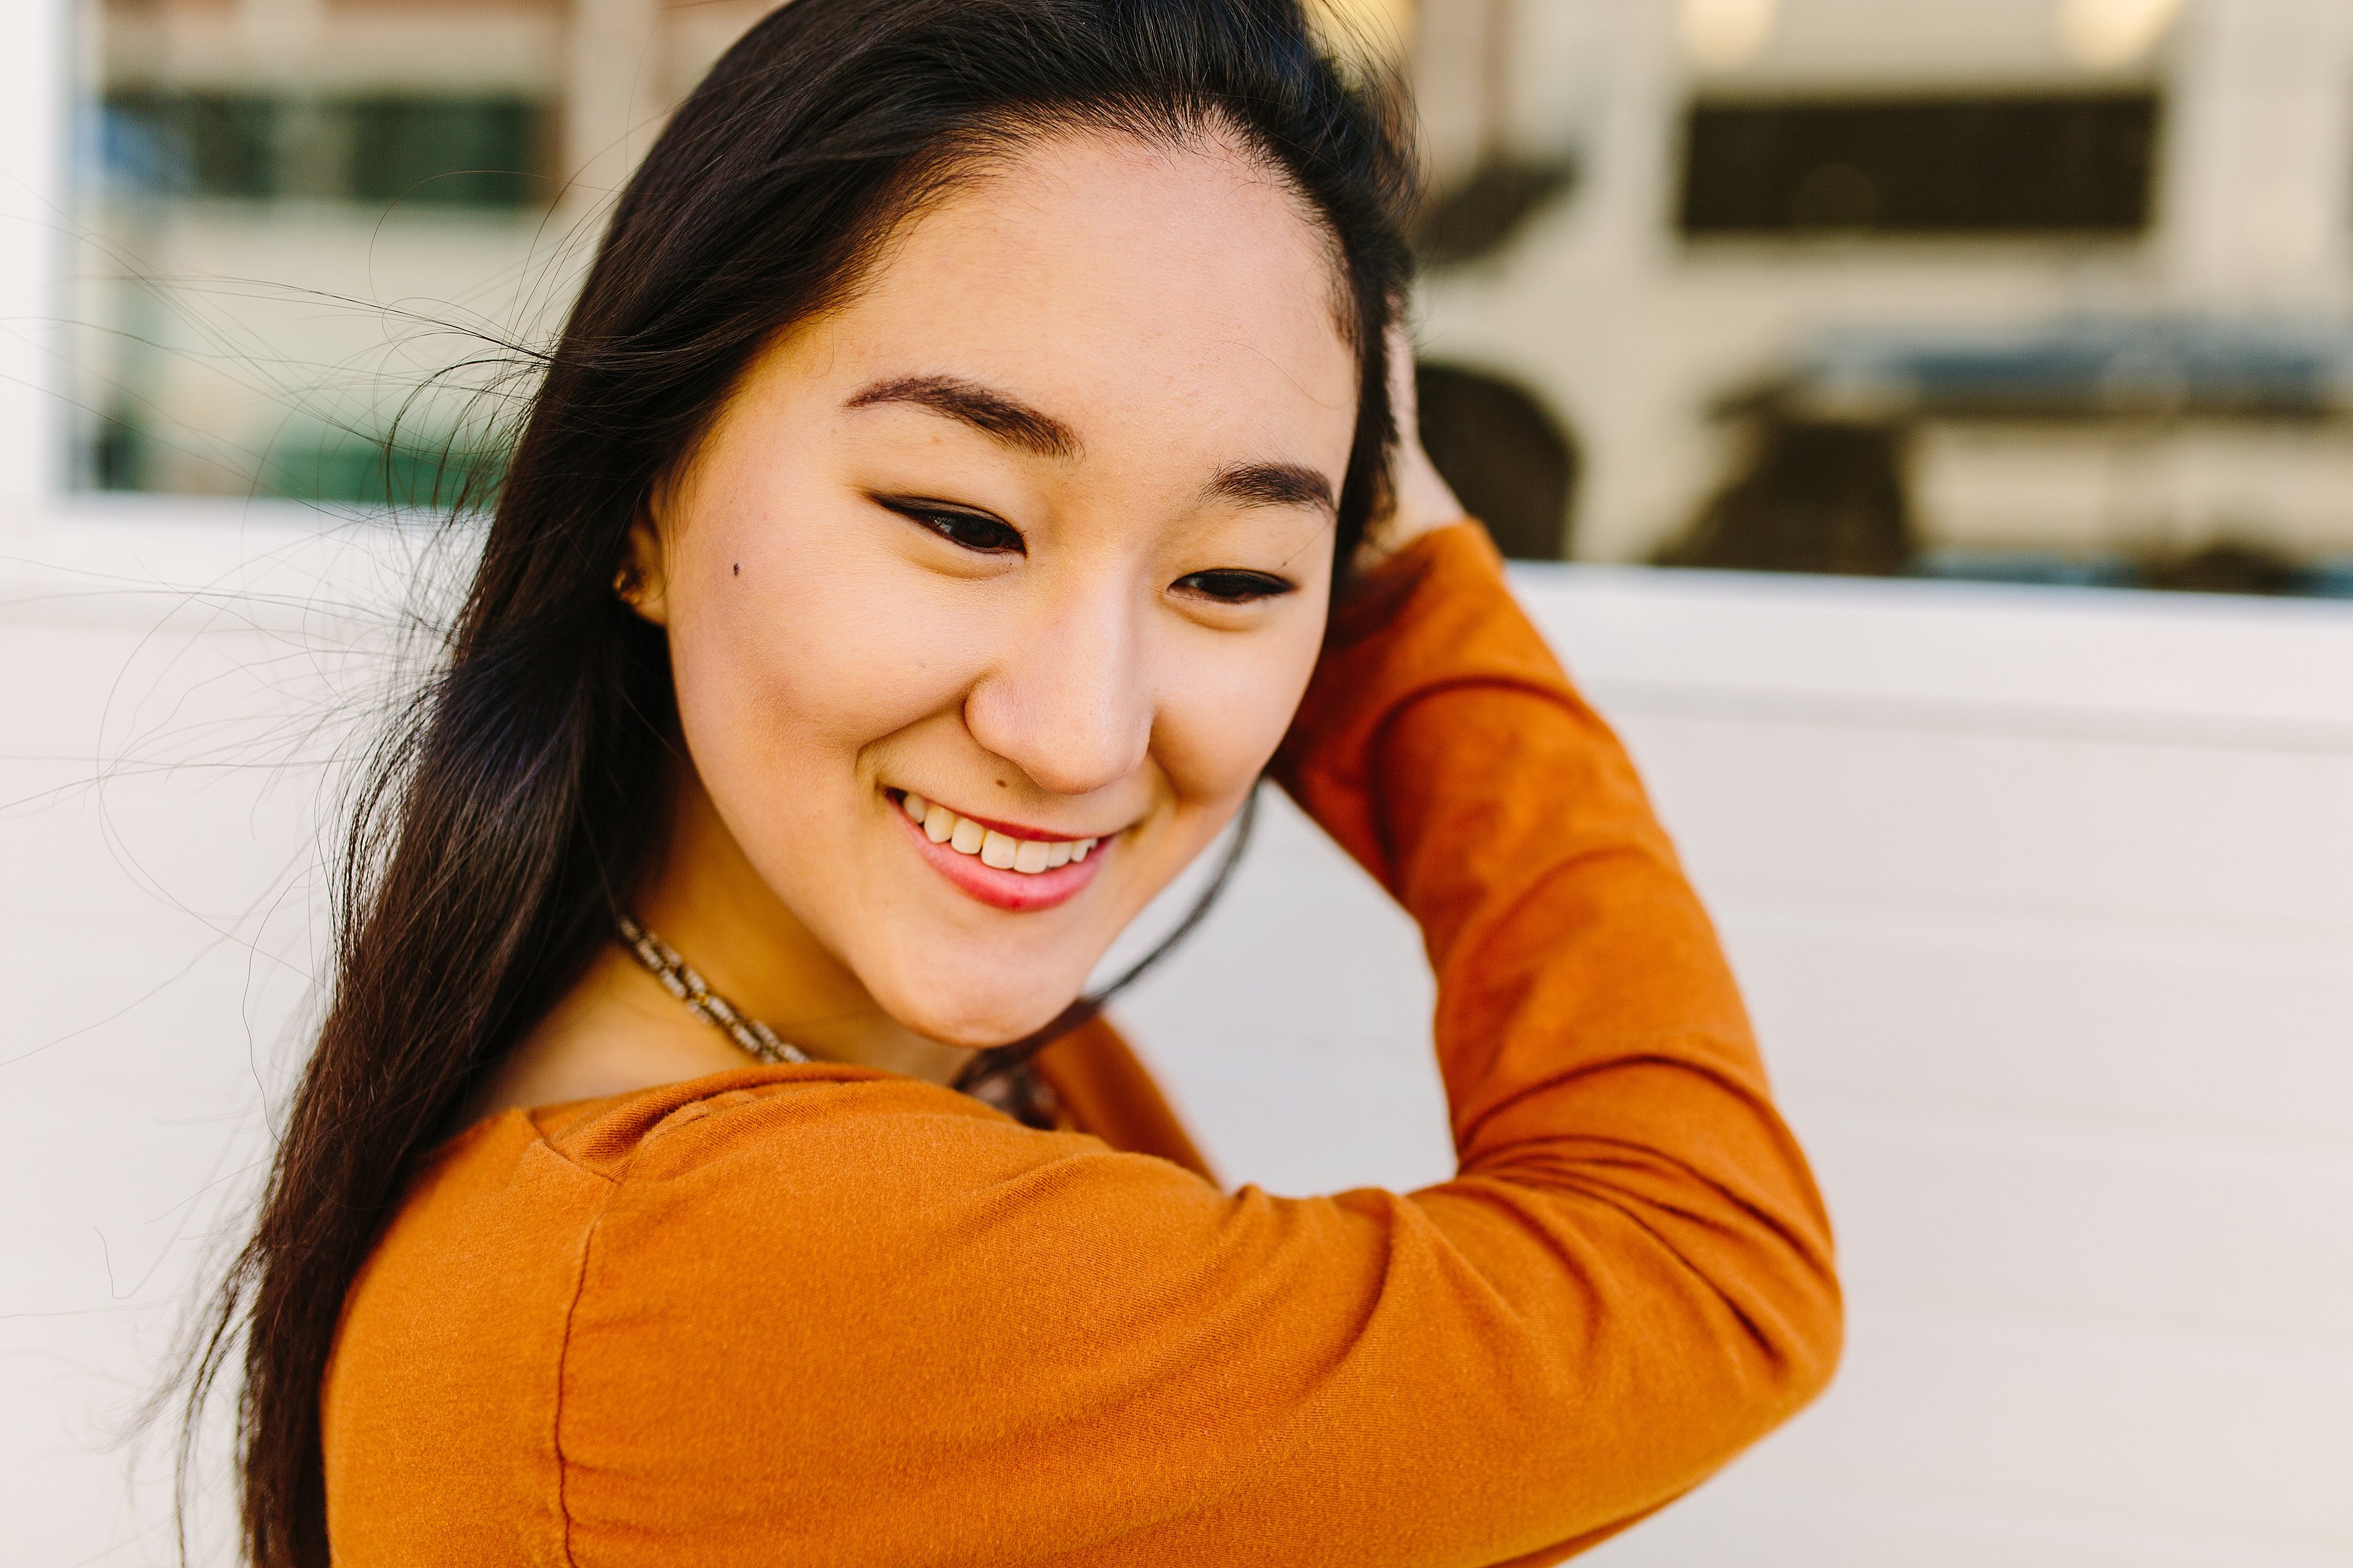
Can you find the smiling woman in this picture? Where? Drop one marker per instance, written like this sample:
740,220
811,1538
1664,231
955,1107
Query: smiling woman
1037,526
966,471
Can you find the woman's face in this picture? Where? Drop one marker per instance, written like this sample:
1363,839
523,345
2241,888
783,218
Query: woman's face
1034,537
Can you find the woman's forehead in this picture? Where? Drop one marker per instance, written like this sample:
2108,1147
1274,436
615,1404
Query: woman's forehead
1103,273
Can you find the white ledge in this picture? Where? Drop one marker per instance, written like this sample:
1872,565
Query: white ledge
2176,667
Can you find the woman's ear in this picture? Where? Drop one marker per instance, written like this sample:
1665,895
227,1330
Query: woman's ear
640,582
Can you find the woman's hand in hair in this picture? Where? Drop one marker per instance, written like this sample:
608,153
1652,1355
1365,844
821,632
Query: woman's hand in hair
1419,498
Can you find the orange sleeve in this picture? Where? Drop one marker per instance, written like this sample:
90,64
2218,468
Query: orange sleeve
1109,1093
826,1316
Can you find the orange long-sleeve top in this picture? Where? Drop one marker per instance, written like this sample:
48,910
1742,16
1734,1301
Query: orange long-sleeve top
824,1314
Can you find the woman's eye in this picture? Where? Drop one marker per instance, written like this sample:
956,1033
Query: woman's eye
974,530
1234,587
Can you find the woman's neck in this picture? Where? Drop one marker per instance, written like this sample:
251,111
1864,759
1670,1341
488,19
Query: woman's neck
618,1030
707,901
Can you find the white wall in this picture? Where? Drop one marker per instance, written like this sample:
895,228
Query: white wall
2044,903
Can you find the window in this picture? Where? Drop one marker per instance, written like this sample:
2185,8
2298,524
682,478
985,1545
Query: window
2056,165
270,274
439,151
304,236
451,152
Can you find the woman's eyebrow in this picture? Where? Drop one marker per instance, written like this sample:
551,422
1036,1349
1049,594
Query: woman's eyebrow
1273,484
1009,419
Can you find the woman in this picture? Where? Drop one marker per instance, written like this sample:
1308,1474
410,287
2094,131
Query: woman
950,494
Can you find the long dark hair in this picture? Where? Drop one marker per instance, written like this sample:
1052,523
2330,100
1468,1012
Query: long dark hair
514,811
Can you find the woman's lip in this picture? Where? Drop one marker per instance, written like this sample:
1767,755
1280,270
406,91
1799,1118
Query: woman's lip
1010,829
1021,892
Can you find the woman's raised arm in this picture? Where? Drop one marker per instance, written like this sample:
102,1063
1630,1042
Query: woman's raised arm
830,1315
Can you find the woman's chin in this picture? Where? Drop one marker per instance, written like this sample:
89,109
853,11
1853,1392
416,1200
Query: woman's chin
978,1017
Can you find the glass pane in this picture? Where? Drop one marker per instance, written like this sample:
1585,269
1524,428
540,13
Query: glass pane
2005,164
315,234
2012,289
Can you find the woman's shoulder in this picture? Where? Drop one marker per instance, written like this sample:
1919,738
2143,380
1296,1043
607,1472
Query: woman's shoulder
464,1306
542,1254
793,1122
738,1161
661,1131
730,1158
771,1117
823,1126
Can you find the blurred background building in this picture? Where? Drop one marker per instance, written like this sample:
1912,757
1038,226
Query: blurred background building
2041,289
300,214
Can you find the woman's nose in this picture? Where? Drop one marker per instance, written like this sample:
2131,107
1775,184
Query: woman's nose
1070,700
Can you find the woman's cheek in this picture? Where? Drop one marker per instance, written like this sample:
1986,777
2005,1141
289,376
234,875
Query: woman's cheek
833,651
1230,705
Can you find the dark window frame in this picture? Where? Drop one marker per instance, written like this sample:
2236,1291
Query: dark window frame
445,152
2012,164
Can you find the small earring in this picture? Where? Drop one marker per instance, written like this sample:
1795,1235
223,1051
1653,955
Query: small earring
625,584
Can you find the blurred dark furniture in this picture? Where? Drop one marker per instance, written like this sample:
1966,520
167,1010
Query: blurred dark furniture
1507,457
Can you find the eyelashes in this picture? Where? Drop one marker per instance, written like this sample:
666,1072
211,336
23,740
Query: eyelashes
986,535
1227,587
976,532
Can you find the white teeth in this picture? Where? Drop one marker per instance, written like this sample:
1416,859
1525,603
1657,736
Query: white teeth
1001,851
